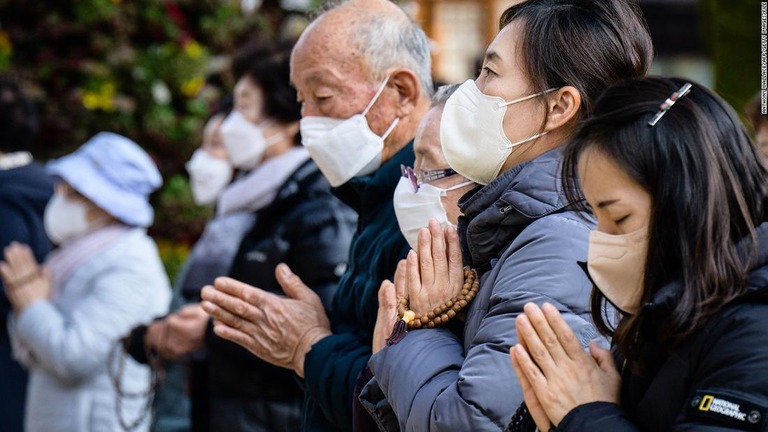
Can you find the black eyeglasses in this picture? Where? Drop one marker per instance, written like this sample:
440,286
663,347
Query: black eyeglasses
418,178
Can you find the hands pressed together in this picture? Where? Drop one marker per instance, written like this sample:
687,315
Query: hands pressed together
555,373
25,281
427,278
279,330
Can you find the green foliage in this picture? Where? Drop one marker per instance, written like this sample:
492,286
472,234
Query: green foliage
181,219
140,68
173,256
732,32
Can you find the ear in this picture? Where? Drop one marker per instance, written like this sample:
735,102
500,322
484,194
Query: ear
408,88
563,107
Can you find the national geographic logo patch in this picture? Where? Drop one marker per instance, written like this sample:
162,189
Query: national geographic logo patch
721,408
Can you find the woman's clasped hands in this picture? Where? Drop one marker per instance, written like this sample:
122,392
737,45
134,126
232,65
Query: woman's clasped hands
554,371
427,278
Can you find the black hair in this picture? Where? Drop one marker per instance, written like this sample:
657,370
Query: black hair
587,44
18,119
268,65
708,188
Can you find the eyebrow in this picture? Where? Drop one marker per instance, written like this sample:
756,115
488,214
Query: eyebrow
491,56
604,204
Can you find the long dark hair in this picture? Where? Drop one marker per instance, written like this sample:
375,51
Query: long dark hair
708,188
587,44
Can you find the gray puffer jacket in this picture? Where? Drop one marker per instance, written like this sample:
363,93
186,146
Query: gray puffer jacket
525,241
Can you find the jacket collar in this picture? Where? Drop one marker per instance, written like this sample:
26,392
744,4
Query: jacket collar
496,213
367,192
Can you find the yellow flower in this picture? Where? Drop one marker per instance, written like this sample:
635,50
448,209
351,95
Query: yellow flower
192,86
193,50
102,99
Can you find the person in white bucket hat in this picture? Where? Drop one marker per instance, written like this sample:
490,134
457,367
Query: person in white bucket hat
105,278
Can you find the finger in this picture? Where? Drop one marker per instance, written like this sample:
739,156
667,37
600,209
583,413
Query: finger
251,294
387,296
426,268
7,273
439,258
521,378
294,287
534,345
401,284
529,393
530,370
412,274
603,357
222,316
231,305
21,258
190,310
567,340
545,332
455,260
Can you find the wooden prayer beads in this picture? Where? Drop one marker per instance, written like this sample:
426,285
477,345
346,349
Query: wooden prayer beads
443,313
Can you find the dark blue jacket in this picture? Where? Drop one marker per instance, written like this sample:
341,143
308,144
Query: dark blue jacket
24,193
332,366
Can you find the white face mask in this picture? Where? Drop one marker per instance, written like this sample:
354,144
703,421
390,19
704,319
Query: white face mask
616,264
208,176
245,141
344,148
65,219
472,132
415,209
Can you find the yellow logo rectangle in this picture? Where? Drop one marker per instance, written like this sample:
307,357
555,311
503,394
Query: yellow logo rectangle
706,401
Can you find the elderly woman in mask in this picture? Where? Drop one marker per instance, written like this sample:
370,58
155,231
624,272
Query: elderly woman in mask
278,209
105,277
506,130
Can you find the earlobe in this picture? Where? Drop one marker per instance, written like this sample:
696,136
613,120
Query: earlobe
408,91
564,106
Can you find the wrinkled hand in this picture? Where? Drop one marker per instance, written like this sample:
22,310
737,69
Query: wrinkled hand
25,281
276,329
436,273
389,295
183,332
557,370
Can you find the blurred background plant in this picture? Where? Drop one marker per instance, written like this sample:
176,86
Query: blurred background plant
151,70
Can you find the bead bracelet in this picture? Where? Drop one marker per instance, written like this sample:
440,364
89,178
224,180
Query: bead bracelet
443,313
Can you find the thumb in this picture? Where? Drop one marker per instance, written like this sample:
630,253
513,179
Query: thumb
387,296
293,286
603,357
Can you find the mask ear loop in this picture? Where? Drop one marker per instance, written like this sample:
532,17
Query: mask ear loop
458,186
376,96
373,101
525,98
